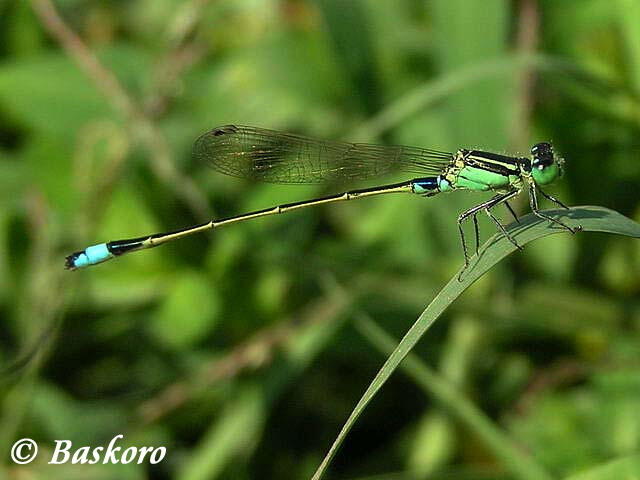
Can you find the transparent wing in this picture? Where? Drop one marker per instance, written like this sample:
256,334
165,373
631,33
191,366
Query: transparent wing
275,157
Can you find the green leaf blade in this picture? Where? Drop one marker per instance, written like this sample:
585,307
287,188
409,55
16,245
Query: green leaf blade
589,218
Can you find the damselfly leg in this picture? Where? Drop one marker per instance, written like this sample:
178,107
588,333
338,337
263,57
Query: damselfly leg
533,202
553,199
473,211
513,213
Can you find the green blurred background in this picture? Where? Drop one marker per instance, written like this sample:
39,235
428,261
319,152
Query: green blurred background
243,351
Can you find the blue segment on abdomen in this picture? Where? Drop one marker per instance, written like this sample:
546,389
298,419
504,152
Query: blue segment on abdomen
426,185
92,255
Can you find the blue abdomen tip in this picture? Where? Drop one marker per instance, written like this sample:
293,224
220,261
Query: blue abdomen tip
89,256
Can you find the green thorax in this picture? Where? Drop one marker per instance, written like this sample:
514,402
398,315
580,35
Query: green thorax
484,171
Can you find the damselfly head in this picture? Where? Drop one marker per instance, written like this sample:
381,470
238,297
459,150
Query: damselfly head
545,165
542,155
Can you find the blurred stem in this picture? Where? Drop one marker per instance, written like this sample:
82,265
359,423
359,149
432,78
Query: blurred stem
185,21
177,58
40,311
520,465
630,29
527,43
114,92
256,352
97,189
434,91
235,432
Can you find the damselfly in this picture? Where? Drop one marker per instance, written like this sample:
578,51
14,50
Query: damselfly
269,156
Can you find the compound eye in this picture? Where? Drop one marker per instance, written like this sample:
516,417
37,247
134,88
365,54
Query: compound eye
542,154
